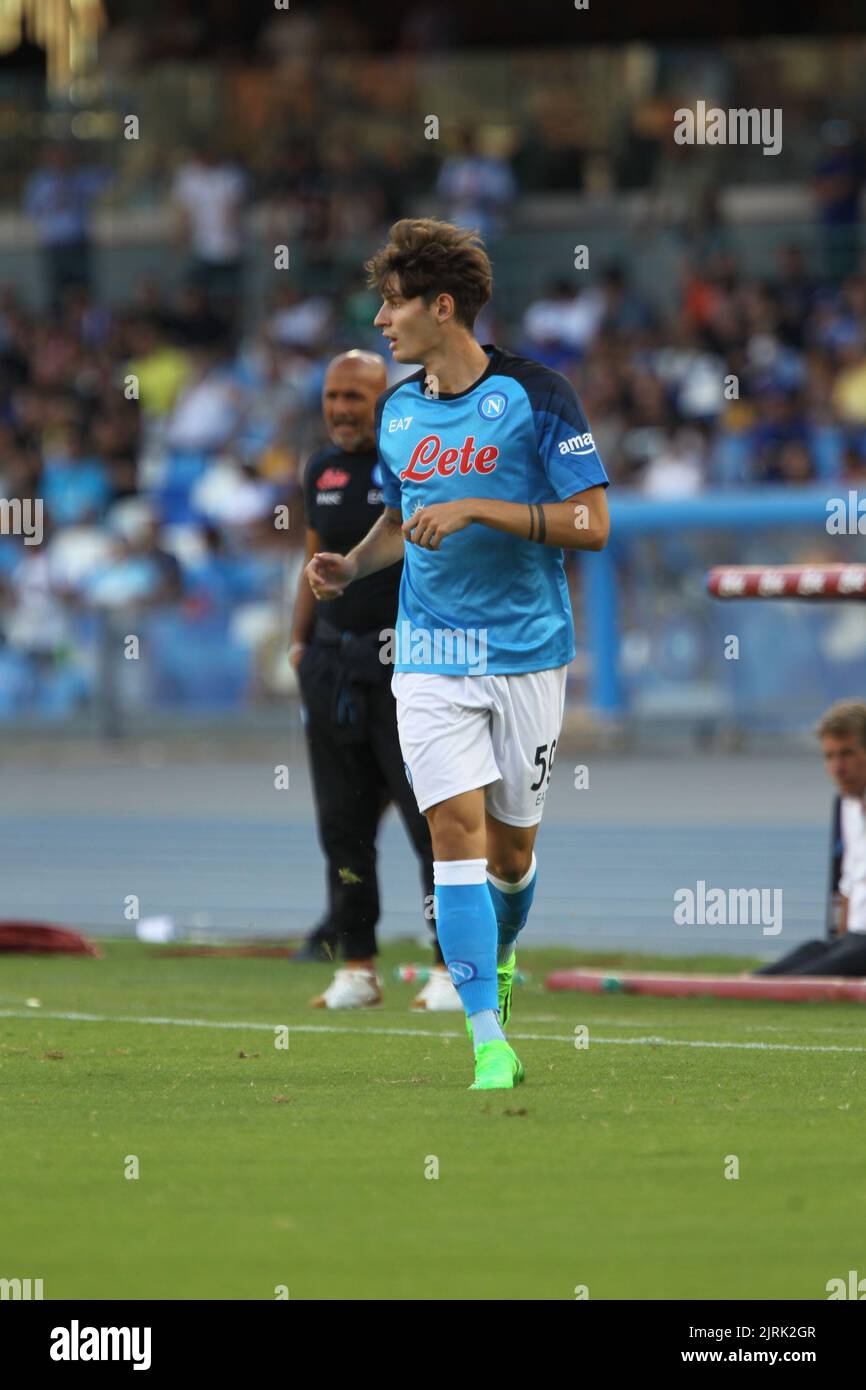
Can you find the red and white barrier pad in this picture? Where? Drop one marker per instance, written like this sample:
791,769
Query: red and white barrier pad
803,989
788,581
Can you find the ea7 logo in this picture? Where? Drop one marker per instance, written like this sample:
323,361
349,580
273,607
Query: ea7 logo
578,444
402,424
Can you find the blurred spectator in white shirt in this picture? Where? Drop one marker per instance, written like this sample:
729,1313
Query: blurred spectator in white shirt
207,409
678,469
208,194
564,320
300,321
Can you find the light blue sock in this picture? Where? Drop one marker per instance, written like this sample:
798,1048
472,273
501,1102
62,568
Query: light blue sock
466,927
486,1027
511,903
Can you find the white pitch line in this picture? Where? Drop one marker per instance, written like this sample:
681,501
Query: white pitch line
651,1041
597,1018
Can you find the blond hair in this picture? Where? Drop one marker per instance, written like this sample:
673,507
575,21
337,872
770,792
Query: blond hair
843,719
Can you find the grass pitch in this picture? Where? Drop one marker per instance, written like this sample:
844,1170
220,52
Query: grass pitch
305,1167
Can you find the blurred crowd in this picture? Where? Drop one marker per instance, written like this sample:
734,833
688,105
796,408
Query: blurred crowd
164,438
746,382
166,452
166,432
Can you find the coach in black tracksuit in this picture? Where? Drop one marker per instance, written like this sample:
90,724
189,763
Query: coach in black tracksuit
351,722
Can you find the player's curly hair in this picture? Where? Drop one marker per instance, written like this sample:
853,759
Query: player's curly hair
428,258
845,718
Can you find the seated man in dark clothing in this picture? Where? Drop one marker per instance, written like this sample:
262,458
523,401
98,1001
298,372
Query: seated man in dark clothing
842,733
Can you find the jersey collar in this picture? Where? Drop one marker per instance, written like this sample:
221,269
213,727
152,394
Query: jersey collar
494,355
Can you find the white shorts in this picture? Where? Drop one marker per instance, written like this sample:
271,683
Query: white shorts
498,732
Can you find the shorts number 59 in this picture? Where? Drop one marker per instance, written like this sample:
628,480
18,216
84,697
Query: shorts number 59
544,763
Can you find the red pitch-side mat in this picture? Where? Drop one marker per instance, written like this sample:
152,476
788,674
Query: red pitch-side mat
44,939
786,988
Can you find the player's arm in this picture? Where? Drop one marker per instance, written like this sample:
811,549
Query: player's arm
843,914
580,522
382,546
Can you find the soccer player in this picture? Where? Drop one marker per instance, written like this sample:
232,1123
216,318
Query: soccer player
489,474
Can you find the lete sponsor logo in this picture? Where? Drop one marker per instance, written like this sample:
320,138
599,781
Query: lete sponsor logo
428,457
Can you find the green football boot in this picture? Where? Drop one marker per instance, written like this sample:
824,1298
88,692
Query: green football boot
504,985
505,982
497,1067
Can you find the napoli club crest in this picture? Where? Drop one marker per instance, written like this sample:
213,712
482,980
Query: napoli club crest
462,971
493,406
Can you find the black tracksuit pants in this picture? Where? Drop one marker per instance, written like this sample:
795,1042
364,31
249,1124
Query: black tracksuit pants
844,955
353,782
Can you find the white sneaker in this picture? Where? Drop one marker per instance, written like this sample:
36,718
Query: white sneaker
351,989
438,995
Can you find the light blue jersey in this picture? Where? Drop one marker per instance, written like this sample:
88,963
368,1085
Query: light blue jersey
485,602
